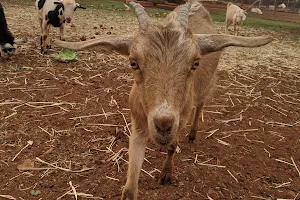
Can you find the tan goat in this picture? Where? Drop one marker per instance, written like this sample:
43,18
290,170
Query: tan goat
174,63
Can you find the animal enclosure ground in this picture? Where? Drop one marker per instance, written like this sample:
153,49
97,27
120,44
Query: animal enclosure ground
76,115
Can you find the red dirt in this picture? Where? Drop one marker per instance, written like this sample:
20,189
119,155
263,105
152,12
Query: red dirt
42,95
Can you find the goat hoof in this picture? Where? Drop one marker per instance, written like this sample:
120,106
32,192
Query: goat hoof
192,136
165,177
191,139
43,50
128,194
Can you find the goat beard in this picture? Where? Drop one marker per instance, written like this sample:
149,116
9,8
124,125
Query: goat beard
162,141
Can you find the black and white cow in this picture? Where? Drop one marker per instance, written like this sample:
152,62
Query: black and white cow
7,44
54,13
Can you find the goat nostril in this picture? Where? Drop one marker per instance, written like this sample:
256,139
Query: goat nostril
163,128
164,125
163,131
169,129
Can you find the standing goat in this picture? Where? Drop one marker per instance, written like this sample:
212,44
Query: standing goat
7,46
234,15
174,63
55,13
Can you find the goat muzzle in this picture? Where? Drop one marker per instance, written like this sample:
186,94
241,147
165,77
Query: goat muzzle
164,125
68,20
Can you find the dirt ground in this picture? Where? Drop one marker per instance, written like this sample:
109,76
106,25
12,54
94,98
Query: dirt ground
76,115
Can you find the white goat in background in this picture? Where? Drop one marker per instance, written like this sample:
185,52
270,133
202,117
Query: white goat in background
234,15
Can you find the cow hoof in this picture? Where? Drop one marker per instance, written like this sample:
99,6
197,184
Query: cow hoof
165,177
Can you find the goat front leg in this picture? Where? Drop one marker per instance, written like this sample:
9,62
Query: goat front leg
42,32
41,24
226,26
137,146
194,127
44,37
167,170
62,32
235,29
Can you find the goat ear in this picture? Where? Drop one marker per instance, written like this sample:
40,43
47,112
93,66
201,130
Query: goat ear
215,42
80,6
121,44
244,15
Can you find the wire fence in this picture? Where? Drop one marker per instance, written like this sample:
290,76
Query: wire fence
275,5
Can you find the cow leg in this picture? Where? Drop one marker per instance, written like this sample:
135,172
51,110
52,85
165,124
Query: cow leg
137,146
62,31
194,127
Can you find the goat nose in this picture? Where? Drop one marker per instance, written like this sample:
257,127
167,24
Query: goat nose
164,124
68,20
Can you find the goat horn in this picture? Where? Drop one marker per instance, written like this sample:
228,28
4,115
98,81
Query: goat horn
183,15
140,13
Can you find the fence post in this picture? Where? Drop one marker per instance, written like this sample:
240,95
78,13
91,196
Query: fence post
274,7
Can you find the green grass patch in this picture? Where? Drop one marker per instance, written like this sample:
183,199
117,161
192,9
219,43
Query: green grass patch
104,4
65,55
119,6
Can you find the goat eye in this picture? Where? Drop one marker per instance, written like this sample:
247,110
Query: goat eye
134,65
196,64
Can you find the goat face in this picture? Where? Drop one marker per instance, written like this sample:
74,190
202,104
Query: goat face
239,17
69,7
163,58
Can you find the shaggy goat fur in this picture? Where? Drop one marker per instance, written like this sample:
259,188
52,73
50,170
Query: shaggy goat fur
174,63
